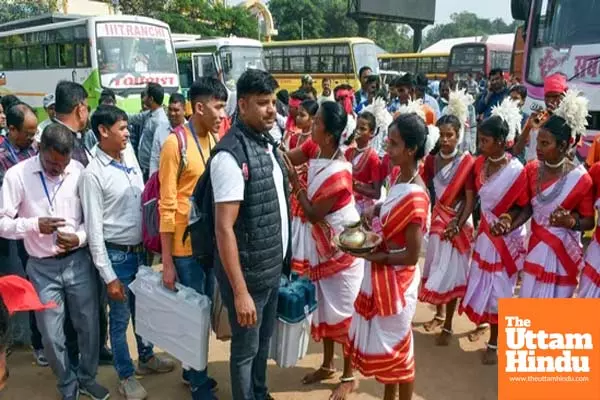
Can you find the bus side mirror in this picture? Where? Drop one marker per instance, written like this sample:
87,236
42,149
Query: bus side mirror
520,9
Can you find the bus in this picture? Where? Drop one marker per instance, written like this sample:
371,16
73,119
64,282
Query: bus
478,59
516,63
222,58
339,59
118,52
562,37
433,65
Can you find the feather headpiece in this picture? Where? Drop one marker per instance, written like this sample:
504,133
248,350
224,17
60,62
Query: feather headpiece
509,112
458,105
573,109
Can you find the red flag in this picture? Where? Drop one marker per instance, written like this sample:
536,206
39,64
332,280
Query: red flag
19,295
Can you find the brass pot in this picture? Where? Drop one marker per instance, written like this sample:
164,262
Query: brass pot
353,236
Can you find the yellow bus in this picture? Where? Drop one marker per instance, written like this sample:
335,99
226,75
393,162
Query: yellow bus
433,65
339,59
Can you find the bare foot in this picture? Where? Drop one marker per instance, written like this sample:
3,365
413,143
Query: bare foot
443,339
489,357
478,333
343,390
319,375
436,322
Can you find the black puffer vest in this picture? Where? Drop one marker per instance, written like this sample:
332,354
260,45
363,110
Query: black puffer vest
258,226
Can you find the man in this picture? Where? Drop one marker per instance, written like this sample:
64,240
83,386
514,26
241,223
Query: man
49,104
40,205
406,91
394,102
494,95
444,94
135,130
252,229
421,93
208,97
107,98
372,87
155,121
72,111
327,94
361,95
518,94
555,87
472,86
18,146
176,115
110,190
307,87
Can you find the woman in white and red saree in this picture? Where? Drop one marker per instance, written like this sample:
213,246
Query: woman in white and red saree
589,286
451,233
366,165
380,340
501,183
304,121
328,205
561,208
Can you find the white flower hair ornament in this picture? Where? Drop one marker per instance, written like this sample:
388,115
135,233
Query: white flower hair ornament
349,130
509,112
432,138
379,110
573,109
413,106
458,106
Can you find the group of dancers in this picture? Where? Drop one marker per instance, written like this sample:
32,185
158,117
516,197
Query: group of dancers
418,191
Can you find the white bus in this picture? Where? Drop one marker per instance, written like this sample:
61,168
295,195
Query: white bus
222,58
119,52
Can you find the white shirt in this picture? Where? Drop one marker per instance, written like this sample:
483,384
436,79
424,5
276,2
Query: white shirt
111,201
157,142
228,186
531,149
23,194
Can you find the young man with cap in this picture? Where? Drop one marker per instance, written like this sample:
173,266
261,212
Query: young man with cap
555,86
494,95
49,107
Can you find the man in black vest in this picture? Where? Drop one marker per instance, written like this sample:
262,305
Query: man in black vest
252,227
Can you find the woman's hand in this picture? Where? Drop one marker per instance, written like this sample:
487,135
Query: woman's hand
292,173
375,256
537,119
370,213
451,230
502,226
562,218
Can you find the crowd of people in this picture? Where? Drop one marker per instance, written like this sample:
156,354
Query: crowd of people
287,173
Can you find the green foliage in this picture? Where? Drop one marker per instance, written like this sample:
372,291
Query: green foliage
297,18
21,9
468,24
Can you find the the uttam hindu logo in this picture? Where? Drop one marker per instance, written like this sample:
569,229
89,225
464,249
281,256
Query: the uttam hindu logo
548,349
523,342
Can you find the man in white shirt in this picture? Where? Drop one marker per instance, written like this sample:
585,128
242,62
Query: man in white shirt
39,203
110,190
49,104
176,115
327,94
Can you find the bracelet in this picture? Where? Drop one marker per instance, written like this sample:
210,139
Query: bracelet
507,216
297,191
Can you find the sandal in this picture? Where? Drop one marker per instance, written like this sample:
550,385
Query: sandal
478,332
321,374
434,323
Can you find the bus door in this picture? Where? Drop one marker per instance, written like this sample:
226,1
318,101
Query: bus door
205,64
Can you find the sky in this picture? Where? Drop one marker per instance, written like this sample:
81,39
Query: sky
444,8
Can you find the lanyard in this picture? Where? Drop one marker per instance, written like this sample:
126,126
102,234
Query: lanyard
50,200
122,167
198,143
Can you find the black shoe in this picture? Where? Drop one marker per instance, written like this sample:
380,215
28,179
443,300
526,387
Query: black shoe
212,384
106,357
94,391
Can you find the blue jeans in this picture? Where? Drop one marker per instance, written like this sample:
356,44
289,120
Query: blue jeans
125,266
193,275
250,346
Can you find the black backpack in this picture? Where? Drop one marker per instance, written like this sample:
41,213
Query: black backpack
201,225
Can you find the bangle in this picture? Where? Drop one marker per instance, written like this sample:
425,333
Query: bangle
506,216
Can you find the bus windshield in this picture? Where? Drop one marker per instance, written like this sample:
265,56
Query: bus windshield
565,37
237,59
468,59
130,55
365,54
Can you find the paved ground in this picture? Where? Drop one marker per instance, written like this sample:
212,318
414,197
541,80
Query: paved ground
452,373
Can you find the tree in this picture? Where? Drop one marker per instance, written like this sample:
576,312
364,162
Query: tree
468,24
147,8
297,19
21,9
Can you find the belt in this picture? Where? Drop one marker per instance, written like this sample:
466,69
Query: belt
138,248
64,255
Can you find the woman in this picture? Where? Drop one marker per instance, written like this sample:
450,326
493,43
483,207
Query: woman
589,287
304,122
501,183
380,337
328,205
561,205
451,234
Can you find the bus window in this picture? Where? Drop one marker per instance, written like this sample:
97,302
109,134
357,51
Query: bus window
66,55
5,62
186,74
205,65
82,55
52,56
35,57
19,58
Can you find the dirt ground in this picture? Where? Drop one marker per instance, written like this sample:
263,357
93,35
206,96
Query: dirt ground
452,373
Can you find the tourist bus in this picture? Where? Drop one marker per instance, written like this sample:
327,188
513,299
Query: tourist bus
478,59
339,59
119,52
433,65
222,58
563,37
516,63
